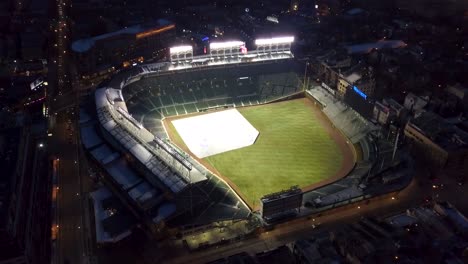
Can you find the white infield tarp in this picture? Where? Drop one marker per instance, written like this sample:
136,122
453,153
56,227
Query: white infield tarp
214,133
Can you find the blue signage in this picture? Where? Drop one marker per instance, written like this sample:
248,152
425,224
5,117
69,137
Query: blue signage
205,39
363,95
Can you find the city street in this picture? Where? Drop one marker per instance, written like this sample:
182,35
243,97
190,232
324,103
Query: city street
69,240
414,195
73,239
73,243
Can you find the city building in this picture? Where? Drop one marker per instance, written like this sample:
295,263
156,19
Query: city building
386,110
363,82
33,45
461,93
444,145
122,48
380,45
415,103
318,249
331,67
435,234
112,222
24,194
357,90
345,82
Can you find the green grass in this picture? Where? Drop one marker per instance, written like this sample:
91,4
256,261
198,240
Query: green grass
292,149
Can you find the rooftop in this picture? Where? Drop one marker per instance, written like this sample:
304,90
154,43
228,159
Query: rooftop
120,171
104,154
113,222
444,134
83,45
354,77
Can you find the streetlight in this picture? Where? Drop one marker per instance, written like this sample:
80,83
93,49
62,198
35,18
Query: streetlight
41,145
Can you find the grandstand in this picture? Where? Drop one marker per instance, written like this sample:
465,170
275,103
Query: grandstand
194,90
353,125
375,153
368,177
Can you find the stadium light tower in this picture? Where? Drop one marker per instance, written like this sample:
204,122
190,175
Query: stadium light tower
226,49
279,44
181,53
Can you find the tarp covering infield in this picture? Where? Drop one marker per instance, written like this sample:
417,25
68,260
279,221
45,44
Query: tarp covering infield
214,133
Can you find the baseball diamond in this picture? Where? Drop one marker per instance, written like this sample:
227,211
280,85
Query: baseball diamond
296,146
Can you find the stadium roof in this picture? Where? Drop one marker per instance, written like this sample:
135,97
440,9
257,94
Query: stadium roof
137,188
120,171
104,154
140,153
89,136
83,45
143,192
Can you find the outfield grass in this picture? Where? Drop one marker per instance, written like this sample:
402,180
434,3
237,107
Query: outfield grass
293,148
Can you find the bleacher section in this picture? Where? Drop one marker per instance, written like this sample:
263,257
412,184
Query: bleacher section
367,177
353,125
376,154
193,90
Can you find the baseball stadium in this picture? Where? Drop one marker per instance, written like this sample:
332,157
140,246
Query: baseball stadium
216,137
291,143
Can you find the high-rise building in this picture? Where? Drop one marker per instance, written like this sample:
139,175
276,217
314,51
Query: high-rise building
24,197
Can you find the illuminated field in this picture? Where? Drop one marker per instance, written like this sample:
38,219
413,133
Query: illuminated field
293,148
